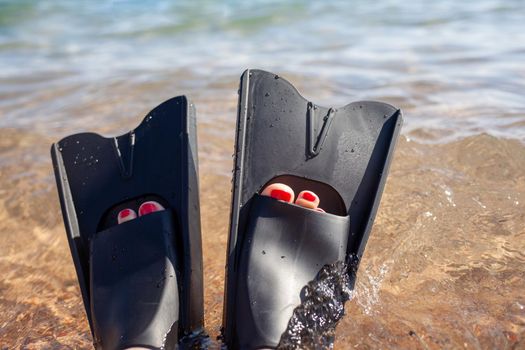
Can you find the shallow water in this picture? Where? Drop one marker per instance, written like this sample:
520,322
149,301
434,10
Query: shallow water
313,323
444,265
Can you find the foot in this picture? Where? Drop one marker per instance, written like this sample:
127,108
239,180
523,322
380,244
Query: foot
145,208
282,192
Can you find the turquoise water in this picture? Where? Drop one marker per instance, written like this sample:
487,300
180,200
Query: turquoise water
452,64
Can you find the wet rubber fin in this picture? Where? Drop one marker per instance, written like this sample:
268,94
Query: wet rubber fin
141,281
276,248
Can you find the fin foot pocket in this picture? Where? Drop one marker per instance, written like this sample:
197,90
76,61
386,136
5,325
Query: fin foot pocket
134,299
283,249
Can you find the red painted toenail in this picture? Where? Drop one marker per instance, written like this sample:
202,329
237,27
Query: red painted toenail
124,213
281,195
147,208
309,196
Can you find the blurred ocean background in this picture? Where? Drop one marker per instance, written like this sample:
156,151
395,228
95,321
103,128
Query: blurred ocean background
444,265
453,64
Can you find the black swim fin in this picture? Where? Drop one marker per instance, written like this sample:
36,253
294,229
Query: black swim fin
275,248
141,281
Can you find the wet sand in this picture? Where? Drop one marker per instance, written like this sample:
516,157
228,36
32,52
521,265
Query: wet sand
443,267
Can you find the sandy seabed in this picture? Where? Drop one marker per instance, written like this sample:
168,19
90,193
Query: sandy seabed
443,269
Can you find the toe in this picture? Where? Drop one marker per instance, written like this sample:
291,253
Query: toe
307,199
149,207
126,215
280,192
